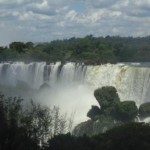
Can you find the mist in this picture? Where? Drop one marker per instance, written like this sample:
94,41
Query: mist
71,86
50,85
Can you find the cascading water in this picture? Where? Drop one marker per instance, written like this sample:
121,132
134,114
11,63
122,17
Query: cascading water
71,85
31,74
66,85
132,81
35,74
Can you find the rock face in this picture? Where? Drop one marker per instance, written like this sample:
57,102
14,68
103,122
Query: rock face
91,127
84,128
44,86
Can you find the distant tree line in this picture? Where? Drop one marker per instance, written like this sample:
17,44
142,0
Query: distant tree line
90,50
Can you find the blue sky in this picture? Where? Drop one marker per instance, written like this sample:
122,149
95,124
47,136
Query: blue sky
47,20
79,7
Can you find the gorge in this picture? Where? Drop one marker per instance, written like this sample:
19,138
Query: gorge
70,86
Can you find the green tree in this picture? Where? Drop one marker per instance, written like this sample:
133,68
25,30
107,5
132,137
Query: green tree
94,112
27,127
18,46
144,110
106,96
126,111
12,134
29,45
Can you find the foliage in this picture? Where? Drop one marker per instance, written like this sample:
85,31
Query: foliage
133,136
29,127
126,111
93,112
89,49
106,96
69,142
12,134
144,110
20,47
111,106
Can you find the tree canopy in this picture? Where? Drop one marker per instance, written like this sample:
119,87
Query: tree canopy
126,111
144,110
106,96
89,49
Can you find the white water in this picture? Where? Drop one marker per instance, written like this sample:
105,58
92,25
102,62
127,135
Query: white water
132,81
72,85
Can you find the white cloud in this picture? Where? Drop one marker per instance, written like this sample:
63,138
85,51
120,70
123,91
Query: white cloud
45,20
43,5
71,15
12,1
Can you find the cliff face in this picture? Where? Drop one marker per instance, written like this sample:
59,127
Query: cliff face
91,127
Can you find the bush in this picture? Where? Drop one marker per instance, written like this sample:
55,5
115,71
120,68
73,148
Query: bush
93,112
133,136
106,96
126,111
144,110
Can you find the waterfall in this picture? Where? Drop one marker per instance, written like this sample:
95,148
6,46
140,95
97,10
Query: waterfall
31,74
71,85
35,74
66,84
132,81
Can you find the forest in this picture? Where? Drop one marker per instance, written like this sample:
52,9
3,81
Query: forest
89,49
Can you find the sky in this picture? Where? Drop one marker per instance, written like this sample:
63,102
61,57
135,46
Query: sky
47,20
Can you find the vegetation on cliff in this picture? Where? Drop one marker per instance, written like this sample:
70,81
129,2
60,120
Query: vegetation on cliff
144,110
126,111
110,113
132,136
110,105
